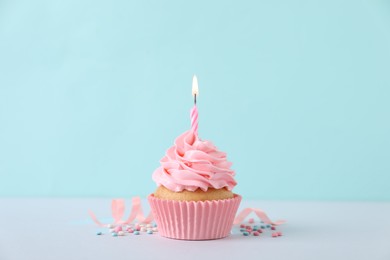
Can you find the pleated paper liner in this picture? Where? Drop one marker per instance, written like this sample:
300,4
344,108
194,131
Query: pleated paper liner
194,220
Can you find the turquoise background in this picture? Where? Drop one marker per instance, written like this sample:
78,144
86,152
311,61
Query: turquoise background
297,93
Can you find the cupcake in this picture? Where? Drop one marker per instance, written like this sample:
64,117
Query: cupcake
194,198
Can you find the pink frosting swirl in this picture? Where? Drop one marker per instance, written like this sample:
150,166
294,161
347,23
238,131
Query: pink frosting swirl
192,163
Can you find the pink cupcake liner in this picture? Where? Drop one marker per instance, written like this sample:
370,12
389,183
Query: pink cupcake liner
194,220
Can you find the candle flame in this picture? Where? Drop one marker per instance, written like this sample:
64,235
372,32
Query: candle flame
195,89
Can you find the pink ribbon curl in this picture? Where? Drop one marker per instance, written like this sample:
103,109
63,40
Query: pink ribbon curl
118,210
259,213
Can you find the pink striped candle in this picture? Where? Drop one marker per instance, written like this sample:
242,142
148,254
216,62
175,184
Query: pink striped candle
194,110
194,119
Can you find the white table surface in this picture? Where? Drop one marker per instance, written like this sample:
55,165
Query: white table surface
59,229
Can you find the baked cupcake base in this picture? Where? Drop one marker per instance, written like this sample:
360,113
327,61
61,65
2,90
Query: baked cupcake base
194,220
197,195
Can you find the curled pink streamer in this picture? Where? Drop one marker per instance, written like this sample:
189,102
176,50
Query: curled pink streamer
259,213
118,209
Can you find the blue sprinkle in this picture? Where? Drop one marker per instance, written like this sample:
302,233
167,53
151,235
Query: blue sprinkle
149,232
262,227
155,225
242,229
136,232
114,234
246,233
255,228
268,226
98,233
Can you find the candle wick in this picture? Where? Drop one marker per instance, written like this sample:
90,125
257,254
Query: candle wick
195,99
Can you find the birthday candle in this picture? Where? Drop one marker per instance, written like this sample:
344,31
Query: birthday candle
194,110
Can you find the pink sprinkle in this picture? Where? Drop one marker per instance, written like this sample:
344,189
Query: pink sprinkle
260,231
251,220
130,230
249,229
242,226
256,234
275,234
279,233
273,228
117,229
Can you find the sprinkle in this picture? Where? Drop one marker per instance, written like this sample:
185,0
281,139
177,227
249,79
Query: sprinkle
121,233
251,220
279,233
275,234
259,230
155,225
143,229
114,234
242,229
117,229
149,232
256,234
136,232
262,227
242,226
246,234
98,233
130,230
273,228
268,225
249,229
255,227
